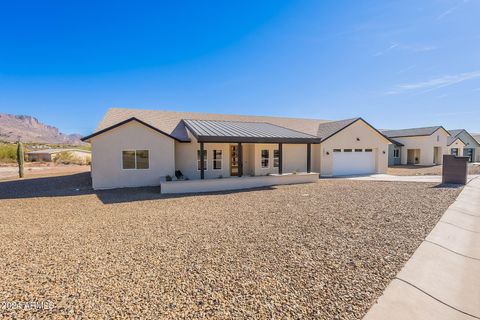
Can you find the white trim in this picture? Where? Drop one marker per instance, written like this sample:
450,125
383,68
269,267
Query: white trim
135,159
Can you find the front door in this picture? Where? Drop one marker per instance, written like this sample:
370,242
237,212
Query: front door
233,161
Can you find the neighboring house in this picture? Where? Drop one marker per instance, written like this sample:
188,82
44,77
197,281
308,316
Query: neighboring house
132,148
422,146
471,146
455,146
49,155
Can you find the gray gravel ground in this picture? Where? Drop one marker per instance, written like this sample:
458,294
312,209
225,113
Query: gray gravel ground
325,250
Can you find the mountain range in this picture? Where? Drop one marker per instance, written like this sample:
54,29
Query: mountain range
28,129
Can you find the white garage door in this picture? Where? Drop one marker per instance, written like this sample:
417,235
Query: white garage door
353,161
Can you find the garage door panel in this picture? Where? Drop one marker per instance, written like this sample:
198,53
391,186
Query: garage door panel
351,163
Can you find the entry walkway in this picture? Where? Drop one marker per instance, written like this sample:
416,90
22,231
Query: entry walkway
441,280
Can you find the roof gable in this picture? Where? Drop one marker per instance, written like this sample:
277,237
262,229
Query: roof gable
121,123
466,137
329,129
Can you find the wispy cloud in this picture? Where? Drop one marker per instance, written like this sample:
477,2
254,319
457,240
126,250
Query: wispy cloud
450,10
406,47
435,83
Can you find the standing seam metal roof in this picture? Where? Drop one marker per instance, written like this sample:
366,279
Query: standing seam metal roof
221,130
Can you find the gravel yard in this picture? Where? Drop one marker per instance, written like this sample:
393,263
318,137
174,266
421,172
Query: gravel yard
325,250
411,170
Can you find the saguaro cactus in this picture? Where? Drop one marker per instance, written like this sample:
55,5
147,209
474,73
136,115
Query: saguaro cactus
20,158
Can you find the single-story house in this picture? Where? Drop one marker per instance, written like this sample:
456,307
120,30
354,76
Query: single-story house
422,146
455,146
471,146
49,155
132,148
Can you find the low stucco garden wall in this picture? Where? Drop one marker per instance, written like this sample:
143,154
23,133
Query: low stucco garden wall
235,183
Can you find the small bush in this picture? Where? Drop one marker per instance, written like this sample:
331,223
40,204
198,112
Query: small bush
8,152
168,178
68,157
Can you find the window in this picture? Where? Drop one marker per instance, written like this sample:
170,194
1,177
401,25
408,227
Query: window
135,159
265,158
276,158
217,159
204,160
337,150
438,138
368,150
396,153
347,150
358,150
454,151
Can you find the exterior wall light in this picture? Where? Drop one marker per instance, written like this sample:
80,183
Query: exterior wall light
383,151
328,153
358,139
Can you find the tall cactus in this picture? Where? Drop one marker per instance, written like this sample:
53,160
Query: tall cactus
20,158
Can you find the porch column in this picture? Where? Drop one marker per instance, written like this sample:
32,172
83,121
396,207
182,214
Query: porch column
240,159
202,163
280,158
309,157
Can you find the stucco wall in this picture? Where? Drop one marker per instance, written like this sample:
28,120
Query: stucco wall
426,145
107,150
347,138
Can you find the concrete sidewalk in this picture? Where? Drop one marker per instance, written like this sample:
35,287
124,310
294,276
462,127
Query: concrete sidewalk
442,279
388,177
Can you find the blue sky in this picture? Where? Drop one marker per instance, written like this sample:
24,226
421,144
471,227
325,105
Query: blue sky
395,63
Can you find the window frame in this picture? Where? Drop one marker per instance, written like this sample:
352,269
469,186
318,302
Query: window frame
337,150
217,160
267,158
357,150
368,150
396,153
457,151
205,167
347,150
135,159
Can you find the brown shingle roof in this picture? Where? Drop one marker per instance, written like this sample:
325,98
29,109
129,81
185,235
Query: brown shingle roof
413,132
171,121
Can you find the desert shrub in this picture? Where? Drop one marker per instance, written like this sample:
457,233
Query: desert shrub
8,152
67,157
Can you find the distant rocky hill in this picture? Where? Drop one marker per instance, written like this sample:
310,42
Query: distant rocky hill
29,129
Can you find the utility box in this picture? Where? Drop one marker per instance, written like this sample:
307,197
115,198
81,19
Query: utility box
455,169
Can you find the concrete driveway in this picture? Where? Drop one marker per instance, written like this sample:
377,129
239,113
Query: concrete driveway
440,281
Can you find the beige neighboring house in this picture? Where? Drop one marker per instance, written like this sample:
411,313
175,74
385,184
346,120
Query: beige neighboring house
420,146
132,148
455,146
49,155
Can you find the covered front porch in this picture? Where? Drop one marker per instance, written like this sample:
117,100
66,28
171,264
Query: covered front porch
226,150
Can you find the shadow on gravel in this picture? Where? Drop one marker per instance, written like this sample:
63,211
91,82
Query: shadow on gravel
58,186
81,184
448,185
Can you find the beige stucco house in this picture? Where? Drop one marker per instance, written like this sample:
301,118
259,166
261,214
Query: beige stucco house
470,148
419,146
132,148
